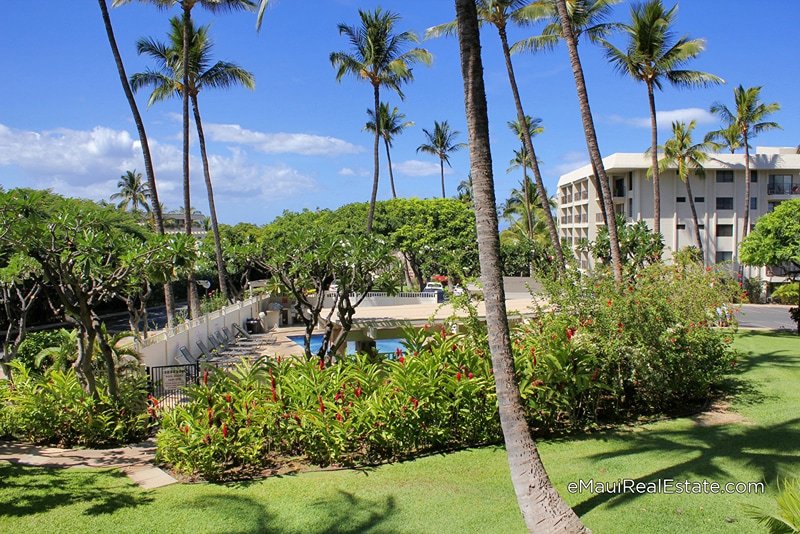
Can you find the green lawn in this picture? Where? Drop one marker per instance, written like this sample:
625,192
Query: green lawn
468,491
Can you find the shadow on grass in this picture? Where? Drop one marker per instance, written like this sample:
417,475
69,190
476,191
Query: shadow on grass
33,490
772,450
343,513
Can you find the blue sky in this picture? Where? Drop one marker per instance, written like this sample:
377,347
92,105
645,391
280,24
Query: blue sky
297,140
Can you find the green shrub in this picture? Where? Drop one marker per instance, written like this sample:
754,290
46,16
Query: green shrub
35,342
785,294
53,408
212,302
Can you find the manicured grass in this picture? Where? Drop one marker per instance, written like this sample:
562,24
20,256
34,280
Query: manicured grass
468,491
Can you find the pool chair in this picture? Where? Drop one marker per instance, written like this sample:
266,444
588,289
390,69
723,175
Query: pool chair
207,354
185,357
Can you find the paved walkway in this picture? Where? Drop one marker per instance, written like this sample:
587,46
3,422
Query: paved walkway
136,461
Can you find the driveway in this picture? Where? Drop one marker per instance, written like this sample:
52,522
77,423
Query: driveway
772,316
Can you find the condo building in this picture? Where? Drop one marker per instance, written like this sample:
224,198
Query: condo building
718,196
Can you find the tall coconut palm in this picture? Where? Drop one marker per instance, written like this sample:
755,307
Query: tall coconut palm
521,159
166,82
589,18
524,213
571,40
728,138
541,506
132,191
679,152
652,56
464,190
213,6
498,13
391,125
441,143
380,57
157,213
748,119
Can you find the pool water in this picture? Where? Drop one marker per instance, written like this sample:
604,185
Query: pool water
385,346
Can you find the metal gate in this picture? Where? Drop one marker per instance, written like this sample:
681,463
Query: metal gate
166,382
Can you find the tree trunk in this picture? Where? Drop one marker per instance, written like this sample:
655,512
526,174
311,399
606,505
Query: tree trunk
441,171
169,299
373,198
591,137
191,285
83,363
223,283
391,172
746,228
528,215
654,159
694,219
600,199
526,140
108,358
541,506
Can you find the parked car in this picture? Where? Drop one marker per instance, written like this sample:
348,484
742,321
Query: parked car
433,286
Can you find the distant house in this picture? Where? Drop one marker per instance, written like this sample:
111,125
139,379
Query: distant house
174,222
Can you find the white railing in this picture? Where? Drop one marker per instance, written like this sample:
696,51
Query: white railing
379,298
163,347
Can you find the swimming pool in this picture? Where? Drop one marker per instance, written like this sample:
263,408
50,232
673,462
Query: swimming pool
385,346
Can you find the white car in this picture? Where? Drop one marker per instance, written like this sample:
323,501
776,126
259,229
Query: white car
433,286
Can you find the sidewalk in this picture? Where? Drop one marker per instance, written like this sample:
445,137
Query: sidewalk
136,461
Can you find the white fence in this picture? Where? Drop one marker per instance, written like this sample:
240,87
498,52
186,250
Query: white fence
384,299
162,348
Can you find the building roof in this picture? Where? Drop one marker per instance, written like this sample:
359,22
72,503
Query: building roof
763,158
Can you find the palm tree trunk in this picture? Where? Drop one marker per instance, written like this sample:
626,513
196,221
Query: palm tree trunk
441,170
591,137
191,285
541,506
223,283
389,162
694,219
746,228
374,196
528,208
169,299
654,156
600,199
526,140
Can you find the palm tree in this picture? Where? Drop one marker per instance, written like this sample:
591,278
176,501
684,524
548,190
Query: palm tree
166,82
379,57
524,213
498,13
441,143
541,506
748,119
728,138
652,56
157,213
464,190
588,17
391,125
132,191
521,159
570,37
686,157
214,6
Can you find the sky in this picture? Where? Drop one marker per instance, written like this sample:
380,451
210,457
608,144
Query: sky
297,140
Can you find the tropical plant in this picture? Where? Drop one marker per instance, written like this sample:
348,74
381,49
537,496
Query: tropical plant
464,190
748,119
441,143
524,214
166,82
728,138
132,191
21,284
498,13
652,56
379,56
570,35
156,208
639,246
541,506
391,125
787,520
679,152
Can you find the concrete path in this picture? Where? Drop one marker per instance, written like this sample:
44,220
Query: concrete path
136,461
769,316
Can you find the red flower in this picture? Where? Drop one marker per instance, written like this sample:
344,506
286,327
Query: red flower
321,364
415,402
401,359
570,333
186,429
279,359
210,416
620,327
224,430
321,404
272,387
470,376
228,398
398,352
357,392
458,376
205,378
537,383
455,347
339,417
610,302
206,439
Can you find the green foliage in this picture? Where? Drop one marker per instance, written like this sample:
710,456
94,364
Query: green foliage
787,520
53,408
36,342
438,394
775,240
785,294
212,302
638,245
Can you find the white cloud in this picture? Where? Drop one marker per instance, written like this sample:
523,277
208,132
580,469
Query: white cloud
665,118
415,167
348,171
570,161
281,142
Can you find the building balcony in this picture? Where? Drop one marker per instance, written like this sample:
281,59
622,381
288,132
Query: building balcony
783,189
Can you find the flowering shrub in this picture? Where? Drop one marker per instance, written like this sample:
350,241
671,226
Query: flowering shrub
53,408
598,353
437,394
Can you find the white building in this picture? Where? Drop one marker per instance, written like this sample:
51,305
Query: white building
719,200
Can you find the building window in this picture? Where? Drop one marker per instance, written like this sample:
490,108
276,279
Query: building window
681,227
630,207
680,199
723,256
630,182
724,177
753,176
699,199
753,203
781,184
772,204
724,230
701,226
619,187
724,203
